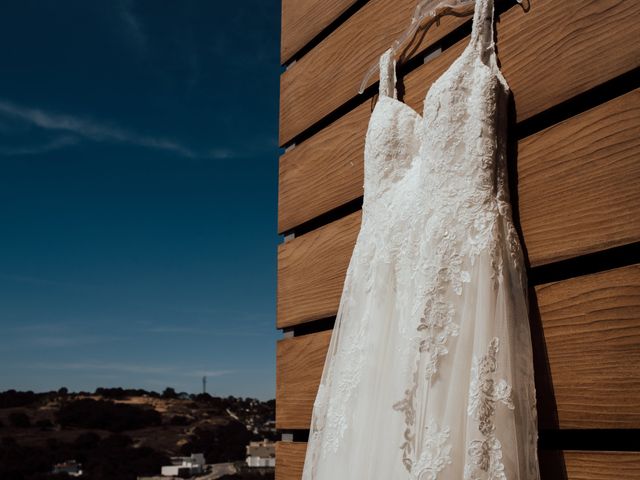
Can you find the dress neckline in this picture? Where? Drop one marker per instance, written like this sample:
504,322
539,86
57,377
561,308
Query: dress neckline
396,100
479,35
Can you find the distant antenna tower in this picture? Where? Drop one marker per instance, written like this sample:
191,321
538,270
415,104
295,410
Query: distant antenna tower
204,384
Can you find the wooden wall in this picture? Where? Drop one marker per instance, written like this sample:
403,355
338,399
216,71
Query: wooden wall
573,67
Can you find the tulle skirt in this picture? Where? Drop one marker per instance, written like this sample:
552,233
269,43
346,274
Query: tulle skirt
454,399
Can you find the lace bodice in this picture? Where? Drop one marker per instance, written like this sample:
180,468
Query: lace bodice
457,148
459,108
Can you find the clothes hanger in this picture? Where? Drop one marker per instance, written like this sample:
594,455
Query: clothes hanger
424,8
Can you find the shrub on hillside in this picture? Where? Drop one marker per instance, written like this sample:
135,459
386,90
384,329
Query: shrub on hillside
119,393
44,424
106,415
11,398
180,420
19,420
223,443
169,393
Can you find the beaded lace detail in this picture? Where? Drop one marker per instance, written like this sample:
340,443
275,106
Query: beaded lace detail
486,453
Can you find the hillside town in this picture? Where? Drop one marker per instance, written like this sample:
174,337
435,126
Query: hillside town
136,435
260,461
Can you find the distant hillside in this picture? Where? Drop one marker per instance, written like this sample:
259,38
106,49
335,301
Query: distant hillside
119,434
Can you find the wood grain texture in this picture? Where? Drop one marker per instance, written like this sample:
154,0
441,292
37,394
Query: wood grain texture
296,383
554,465
311,271
562,48
577,193
323,173
579,182
590,465
591,345
290,460
591,329
302,20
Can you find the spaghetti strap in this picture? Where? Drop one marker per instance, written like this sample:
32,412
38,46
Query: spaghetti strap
482,29
388,75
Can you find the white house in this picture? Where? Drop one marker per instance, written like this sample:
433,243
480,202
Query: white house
70,467
261,454
192,465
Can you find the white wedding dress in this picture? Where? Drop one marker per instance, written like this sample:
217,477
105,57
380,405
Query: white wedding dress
429,371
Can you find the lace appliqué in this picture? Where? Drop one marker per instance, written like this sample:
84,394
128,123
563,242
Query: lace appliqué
436,454
440,326
437,325
485,454
346,381
331,405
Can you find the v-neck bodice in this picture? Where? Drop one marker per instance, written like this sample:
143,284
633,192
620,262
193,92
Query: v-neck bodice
455,133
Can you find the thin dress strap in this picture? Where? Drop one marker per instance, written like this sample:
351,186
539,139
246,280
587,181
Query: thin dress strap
388,75
482,28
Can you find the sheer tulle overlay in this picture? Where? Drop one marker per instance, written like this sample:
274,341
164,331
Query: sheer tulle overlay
429,372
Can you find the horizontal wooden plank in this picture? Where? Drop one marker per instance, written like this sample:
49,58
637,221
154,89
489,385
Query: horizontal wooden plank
559,48
554,465
324,172
578,182
299,362
589,350
594,465
302,20
290,460
591,327
577,193
311,272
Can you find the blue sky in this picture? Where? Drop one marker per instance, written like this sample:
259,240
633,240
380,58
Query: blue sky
138,194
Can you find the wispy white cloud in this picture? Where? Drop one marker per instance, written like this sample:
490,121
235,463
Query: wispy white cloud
259,145
78,128
187,330
206,312
162,384
55,144
209,373
131,368
56,334
65,341
89,129
173,329
132,25
47,327
223,153
42,281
